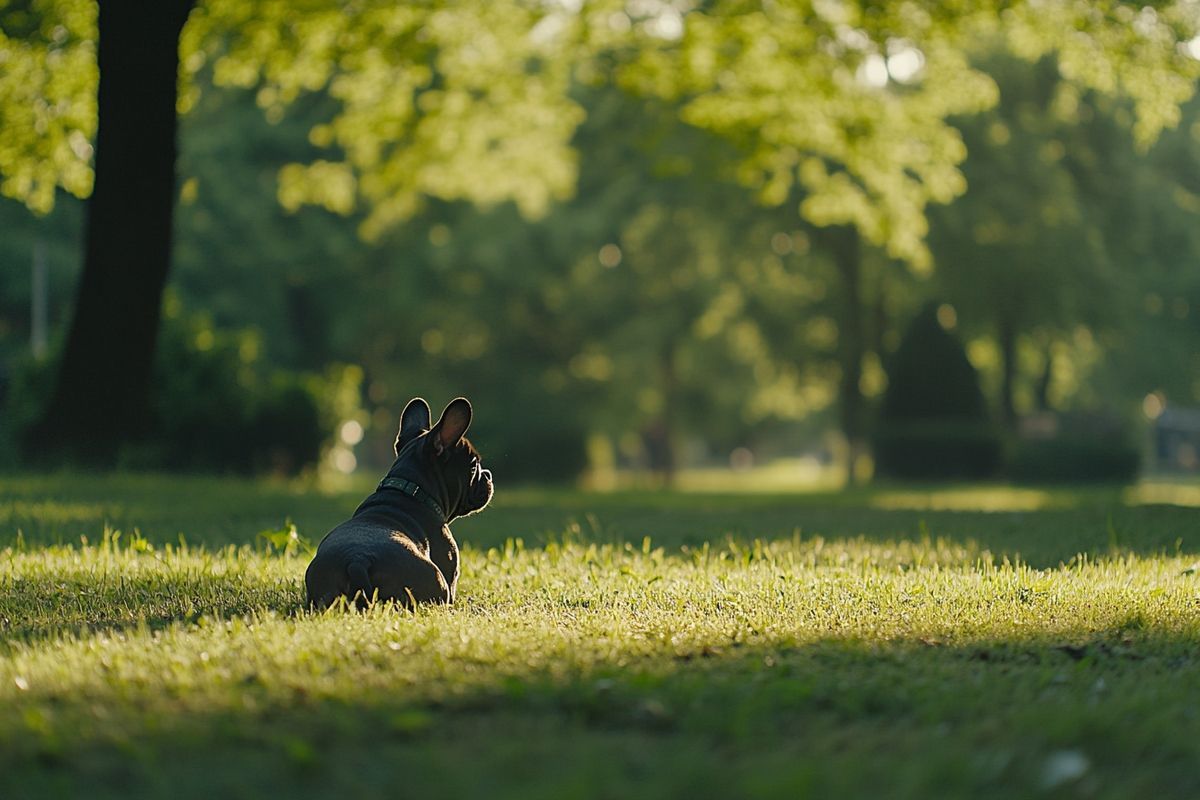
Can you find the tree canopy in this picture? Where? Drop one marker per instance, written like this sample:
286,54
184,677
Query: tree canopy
48,80
850,101
652,192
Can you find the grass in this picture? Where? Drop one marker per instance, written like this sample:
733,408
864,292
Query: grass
894,642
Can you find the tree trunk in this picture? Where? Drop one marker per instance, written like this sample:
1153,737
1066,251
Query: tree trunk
661,434
1007,339
1042,391
846,249
101,398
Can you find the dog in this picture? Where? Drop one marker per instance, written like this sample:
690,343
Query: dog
397,547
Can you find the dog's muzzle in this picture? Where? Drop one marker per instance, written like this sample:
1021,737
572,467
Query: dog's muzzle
480,492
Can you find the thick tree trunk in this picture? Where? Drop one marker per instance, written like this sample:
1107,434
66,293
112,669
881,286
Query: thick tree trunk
101,398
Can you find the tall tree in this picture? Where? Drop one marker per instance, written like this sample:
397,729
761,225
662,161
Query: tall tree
102,391
847,101
461,101
848,106
1069,241
1014,250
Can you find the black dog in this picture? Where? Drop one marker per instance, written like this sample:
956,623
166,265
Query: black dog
397,546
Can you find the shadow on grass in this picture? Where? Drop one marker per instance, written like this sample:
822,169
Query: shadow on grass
904,718
45,607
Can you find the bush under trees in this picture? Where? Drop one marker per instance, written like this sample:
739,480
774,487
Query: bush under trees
934,422
214,407
1083,448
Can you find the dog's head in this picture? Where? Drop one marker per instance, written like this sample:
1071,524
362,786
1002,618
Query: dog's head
441,451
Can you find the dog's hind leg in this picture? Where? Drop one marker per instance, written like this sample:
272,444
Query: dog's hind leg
331,576
359,588
322,584
407,576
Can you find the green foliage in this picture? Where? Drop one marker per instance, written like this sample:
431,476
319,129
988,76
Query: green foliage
1068,459
27,386
1149,210
693,136
216,408
803,90
936,450
286,541
529,437
294,276
1015,249
933,422
930,376
1069,242
59,235
1147,55
201,381
471,100
460,101
907,653
1093,447
850,102
660,295
48,80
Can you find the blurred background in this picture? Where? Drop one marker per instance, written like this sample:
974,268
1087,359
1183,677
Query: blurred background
655,242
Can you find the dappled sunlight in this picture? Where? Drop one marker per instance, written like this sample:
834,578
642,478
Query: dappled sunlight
1169,493
1000,520
18,515
782,475
740,641
974,498
810,476
1013,498
622,634
817,347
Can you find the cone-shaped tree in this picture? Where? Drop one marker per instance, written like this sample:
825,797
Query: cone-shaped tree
934,421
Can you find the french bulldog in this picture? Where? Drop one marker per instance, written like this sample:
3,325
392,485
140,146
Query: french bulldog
397,546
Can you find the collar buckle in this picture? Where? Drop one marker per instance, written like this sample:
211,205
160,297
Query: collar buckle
416,492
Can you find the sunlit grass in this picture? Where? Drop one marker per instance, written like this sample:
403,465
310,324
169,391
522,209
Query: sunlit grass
781,475
999,498
1161,491
847,651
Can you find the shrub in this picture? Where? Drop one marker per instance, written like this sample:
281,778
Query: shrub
934,422
937,450
214,406
287,428
217,408
539,440
1072,460
1085,448
26,388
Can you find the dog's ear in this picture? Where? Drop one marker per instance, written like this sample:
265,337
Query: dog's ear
453,424
413,421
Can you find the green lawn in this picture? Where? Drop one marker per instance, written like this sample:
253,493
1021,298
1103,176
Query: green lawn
976,642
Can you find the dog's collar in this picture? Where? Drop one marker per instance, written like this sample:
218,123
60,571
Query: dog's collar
416,492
